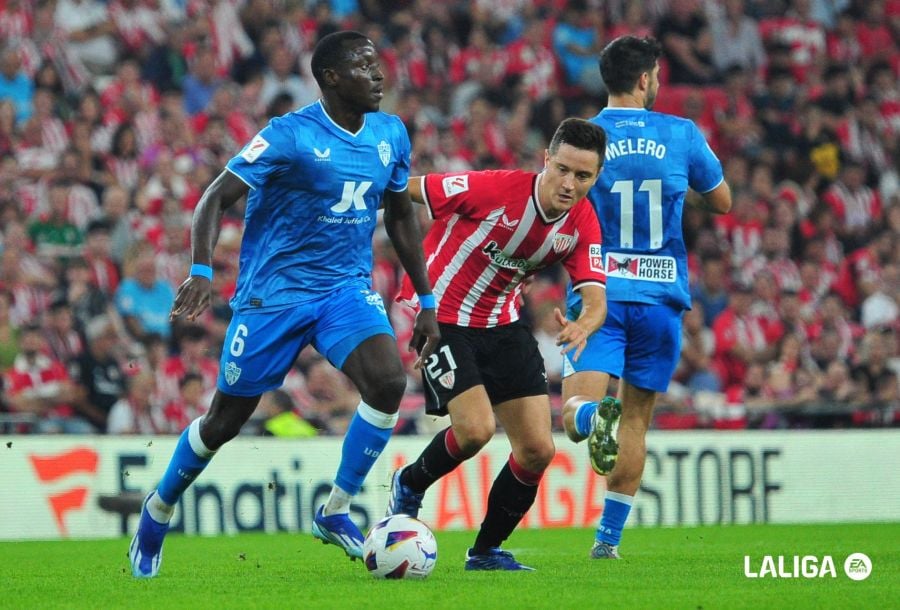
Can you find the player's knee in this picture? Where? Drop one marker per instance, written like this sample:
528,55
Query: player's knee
536,456
386,392
472,436
217,428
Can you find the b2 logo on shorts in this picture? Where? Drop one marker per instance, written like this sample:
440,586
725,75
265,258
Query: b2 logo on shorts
444,376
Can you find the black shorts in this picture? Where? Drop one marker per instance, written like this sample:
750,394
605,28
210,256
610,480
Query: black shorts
504,359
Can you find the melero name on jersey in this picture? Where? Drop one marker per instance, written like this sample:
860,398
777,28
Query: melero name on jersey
635,146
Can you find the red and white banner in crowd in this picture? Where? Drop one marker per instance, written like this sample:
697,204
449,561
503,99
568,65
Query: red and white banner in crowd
50,487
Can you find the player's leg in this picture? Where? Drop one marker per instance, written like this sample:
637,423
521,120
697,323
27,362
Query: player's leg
651,356
452,385
528,427
579,389
258,351
354,334
587,412
517,385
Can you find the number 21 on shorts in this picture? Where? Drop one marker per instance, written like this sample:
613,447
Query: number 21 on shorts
442,372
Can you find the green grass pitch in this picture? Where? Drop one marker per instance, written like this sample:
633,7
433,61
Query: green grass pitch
692,568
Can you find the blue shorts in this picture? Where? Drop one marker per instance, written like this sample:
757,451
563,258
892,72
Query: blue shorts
261,346
639,342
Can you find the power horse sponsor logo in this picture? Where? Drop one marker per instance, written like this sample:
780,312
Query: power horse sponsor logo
645,267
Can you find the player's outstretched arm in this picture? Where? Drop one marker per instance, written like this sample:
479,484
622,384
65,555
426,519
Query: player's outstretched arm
194,293
574,334
403,229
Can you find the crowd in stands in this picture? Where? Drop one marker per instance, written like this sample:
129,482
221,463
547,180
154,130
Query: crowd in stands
116,114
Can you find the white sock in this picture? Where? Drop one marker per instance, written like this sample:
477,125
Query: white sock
159,510
338,502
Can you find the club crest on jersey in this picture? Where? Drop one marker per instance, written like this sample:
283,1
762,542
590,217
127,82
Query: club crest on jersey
643,267
384,152
596,258
454,185
232,373
254,149
447,379
562,242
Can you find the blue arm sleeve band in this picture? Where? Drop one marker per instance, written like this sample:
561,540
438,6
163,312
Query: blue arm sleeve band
426,301
202,271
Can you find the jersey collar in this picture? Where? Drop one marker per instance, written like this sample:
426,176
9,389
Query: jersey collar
536,202
338,127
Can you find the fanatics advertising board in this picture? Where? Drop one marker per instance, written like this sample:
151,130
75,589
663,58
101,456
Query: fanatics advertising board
50,486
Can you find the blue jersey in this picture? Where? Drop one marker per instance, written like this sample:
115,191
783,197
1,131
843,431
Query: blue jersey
315,190
651,160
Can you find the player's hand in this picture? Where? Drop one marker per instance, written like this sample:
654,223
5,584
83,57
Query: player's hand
192,299
425,337
572,335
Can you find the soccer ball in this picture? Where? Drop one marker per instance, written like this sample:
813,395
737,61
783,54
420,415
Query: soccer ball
400,546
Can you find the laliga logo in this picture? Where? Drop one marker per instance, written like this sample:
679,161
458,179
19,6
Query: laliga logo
857,566
49,468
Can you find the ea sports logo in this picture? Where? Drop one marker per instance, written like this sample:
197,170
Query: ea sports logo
858,566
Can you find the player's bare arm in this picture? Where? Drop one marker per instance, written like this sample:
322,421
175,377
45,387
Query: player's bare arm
717,201
416,187
575,333
403,229
194,293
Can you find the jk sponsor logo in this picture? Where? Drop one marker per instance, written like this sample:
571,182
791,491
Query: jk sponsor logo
857,566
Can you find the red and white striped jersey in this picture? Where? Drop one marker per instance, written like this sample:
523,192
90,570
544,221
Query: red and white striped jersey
489,234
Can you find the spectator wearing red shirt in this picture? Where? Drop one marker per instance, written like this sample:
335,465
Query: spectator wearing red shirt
97,254
740,338
39,384
407,65
193,347
190,404
804,35
856,206
533,61
874,35
859,274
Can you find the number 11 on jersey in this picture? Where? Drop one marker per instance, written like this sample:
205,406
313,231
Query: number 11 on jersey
625,189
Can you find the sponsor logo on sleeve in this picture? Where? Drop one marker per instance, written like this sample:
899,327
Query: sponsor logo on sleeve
454,185
255,148
596,258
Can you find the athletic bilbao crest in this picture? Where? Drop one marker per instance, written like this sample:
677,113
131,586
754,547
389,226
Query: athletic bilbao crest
562,242
232,373
384,152
447,380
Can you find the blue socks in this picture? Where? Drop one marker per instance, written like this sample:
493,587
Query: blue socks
366,438
190,458
583,418
615,513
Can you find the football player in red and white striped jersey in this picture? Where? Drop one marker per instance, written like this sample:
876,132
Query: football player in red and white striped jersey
492,230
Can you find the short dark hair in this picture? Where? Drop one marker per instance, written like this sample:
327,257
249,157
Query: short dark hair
581,134
624,60
331,51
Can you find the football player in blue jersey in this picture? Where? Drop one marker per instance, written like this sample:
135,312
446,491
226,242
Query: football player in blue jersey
651,161
314,181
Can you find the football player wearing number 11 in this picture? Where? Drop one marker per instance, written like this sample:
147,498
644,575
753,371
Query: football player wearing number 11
314,180
492,230
651,161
